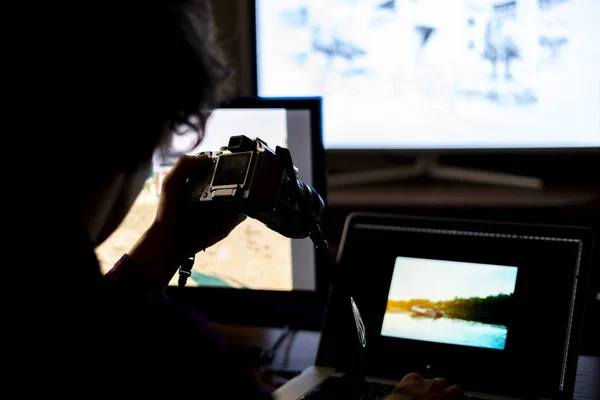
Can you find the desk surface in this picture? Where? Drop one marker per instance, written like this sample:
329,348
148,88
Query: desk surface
298,352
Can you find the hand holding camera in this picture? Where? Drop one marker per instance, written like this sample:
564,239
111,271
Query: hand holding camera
192,228
179,229
204,197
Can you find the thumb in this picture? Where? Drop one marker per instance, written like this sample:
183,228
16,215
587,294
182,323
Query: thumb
223,226
185,167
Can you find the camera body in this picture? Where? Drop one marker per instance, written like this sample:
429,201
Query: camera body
250,178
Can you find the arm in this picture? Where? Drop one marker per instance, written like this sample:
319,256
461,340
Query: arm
180,337
151,261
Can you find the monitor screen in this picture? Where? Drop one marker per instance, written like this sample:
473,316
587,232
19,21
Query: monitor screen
252,256
438,74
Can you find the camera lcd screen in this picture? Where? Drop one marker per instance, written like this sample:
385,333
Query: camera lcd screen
231,169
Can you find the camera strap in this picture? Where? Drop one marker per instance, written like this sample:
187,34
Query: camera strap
185,270
351,328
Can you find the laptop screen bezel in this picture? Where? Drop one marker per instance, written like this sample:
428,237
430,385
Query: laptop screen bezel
326,355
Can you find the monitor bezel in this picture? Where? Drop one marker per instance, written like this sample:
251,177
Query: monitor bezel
298,308
384,151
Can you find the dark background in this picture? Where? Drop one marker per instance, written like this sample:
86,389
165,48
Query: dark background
571,195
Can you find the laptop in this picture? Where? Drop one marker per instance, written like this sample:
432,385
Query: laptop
494,307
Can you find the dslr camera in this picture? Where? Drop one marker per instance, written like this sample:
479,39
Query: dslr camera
248,177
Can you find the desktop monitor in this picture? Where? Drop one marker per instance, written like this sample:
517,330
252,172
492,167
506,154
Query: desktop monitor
437,74
255,276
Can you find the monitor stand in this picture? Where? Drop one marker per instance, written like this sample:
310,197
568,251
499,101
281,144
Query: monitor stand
430,167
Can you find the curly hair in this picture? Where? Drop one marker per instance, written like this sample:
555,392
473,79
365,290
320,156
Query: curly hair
142,71
204,68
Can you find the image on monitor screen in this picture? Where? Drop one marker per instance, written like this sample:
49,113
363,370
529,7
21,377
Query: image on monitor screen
450,302
438,74
252,256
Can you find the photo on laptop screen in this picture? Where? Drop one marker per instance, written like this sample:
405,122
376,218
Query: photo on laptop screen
450,302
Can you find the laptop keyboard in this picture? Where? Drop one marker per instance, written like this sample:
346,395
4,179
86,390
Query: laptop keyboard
332,388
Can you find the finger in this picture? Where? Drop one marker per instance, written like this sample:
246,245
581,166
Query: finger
438,384
223,225
454,392
408,383
238,219
228,222
221,219
412,377
187,165
218,215
183,168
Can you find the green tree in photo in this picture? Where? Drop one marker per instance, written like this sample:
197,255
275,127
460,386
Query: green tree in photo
494,309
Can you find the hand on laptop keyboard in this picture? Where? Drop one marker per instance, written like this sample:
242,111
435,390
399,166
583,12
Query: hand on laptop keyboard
411,387
414,386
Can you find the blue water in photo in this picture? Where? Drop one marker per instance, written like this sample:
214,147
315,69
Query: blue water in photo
444,330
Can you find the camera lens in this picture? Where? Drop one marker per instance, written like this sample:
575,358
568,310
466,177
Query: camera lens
310,202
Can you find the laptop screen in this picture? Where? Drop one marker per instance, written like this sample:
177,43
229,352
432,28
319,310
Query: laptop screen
491,306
